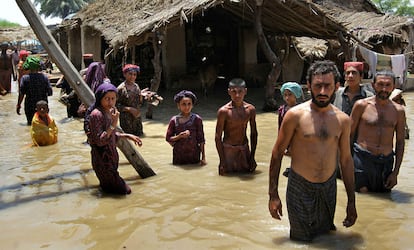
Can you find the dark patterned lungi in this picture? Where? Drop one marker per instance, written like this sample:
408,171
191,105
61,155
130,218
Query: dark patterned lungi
371,171
311,206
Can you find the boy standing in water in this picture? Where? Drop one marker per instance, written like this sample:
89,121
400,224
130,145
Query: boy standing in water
43,129
232,120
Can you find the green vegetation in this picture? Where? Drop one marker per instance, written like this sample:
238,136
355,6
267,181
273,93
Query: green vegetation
397,7
59,8
7,24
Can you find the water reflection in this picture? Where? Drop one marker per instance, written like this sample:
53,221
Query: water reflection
49,196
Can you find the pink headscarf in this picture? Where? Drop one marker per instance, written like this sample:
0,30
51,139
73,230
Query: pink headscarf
130,67
23,53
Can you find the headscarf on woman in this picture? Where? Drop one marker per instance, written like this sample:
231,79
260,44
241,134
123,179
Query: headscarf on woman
99,94
95,75
31,63
293,87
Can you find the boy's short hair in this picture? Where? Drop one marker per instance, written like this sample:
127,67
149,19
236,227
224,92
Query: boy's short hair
42,102
237,82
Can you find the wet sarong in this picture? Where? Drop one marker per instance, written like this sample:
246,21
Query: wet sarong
371,171
311,206
237,158
105,164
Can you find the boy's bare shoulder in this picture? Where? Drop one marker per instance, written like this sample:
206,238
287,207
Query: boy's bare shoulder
249,106
226,106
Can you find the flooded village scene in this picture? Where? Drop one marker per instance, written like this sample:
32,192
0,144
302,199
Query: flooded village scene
69,190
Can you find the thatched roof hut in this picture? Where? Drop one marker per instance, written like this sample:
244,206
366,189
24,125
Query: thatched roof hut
373,28
16,34
126,22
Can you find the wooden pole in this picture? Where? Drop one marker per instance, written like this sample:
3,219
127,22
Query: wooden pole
76,81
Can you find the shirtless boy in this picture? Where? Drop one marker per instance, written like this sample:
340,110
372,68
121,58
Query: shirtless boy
374,122
314,131
232,120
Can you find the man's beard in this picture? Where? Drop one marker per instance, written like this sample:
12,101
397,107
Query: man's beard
383,95
322,104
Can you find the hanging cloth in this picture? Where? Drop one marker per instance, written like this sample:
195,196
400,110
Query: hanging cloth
371,58
399,67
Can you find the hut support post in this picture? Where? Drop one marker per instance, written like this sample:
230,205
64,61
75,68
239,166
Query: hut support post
76,82
344,46
157,44
270,102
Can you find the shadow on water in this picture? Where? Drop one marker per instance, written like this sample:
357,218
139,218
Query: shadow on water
69,119
334,240
396,196
16,188
244,176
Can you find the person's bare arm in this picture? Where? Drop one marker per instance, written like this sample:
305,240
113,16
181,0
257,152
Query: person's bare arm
203,154
347,169
356,114
19,103
284,137
221,117
253,138
399,148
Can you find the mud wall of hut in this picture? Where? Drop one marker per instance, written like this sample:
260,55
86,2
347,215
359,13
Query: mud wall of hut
91,43
174,62
75,47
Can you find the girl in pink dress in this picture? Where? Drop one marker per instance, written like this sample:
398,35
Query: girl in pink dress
185,132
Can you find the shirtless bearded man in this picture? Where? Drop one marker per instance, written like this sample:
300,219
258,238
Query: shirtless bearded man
314,131
232,120
374,122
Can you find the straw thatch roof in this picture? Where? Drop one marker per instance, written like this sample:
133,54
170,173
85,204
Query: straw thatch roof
127,22
369,26
308,47
120,21
16,34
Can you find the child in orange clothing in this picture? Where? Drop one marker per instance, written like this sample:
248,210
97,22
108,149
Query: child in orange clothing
43,129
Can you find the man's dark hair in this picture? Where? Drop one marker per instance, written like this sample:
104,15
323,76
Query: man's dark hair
323,68
385,73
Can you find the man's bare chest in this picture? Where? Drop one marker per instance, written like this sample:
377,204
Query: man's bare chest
379,118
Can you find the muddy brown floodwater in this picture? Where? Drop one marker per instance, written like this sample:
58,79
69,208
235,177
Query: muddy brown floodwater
49,196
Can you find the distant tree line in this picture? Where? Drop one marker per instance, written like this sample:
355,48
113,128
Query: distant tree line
397,7
7,24
60,8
